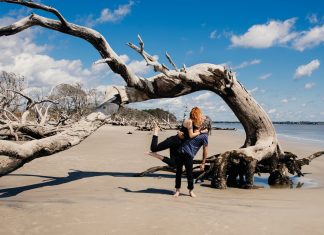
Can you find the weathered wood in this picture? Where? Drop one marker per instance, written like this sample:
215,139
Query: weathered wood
16,155
261,145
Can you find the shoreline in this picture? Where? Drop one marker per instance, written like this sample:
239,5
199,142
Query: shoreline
90,188
293,139
308,141
316,140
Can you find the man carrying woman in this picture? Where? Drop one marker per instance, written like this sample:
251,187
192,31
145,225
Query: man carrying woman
184,146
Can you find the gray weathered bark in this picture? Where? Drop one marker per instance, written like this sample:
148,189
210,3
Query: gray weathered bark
15,155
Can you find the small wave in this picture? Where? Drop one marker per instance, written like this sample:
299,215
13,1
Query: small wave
298,138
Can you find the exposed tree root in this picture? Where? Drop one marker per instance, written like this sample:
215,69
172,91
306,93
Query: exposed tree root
228,170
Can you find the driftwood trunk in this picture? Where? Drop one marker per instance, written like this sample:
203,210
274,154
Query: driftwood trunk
15,155
261,150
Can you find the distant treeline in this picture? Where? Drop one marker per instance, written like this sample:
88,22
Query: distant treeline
130,114
161,114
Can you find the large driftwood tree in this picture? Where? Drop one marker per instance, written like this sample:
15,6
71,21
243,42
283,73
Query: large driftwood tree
260,152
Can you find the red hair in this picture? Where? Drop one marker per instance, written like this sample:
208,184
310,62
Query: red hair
196,116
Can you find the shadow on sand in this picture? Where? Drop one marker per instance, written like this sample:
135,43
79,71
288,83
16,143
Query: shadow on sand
149,190
73,175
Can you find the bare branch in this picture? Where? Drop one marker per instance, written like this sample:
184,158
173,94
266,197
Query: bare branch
46,101
136,48
184,68
29,100
43,117
315,155
171,61
40,7
13,115
140,42
95,38
150,59
12,132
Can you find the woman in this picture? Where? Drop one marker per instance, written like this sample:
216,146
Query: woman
190,129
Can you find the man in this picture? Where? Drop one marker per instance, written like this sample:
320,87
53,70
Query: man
185,154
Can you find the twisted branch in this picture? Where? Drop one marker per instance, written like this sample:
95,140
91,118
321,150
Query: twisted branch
171,61
95,38
148,58
40,7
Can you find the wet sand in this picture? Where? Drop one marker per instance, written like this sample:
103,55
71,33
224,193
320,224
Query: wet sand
90,189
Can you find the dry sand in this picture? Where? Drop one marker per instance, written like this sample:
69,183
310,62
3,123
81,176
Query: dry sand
89,189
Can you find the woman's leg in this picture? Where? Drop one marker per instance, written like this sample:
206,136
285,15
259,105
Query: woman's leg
156,155
170,142
169,161
166,160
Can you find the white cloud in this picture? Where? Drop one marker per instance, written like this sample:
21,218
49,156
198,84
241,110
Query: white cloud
213,35
139,67
309,39
171,101
309,85
281,33
221,108
272,111
284,101
253,90
322,113
247,63
108,15
202,97
265,76
174,105
22,56
307,69
124,58
273,33
19,54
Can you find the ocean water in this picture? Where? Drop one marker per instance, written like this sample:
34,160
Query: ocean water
301,132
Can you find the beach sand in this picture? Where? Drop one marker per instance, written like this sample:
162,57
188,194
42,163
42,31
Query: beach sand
90,189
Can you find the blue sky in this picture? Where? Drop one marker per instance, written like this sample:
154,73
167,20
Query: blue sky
275,47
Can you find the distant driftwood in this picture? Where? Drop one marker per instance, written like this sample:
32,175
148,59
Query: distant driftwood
224,128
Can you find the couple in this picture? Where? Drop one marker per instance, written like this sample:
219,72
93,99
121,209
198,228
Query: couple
184,146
